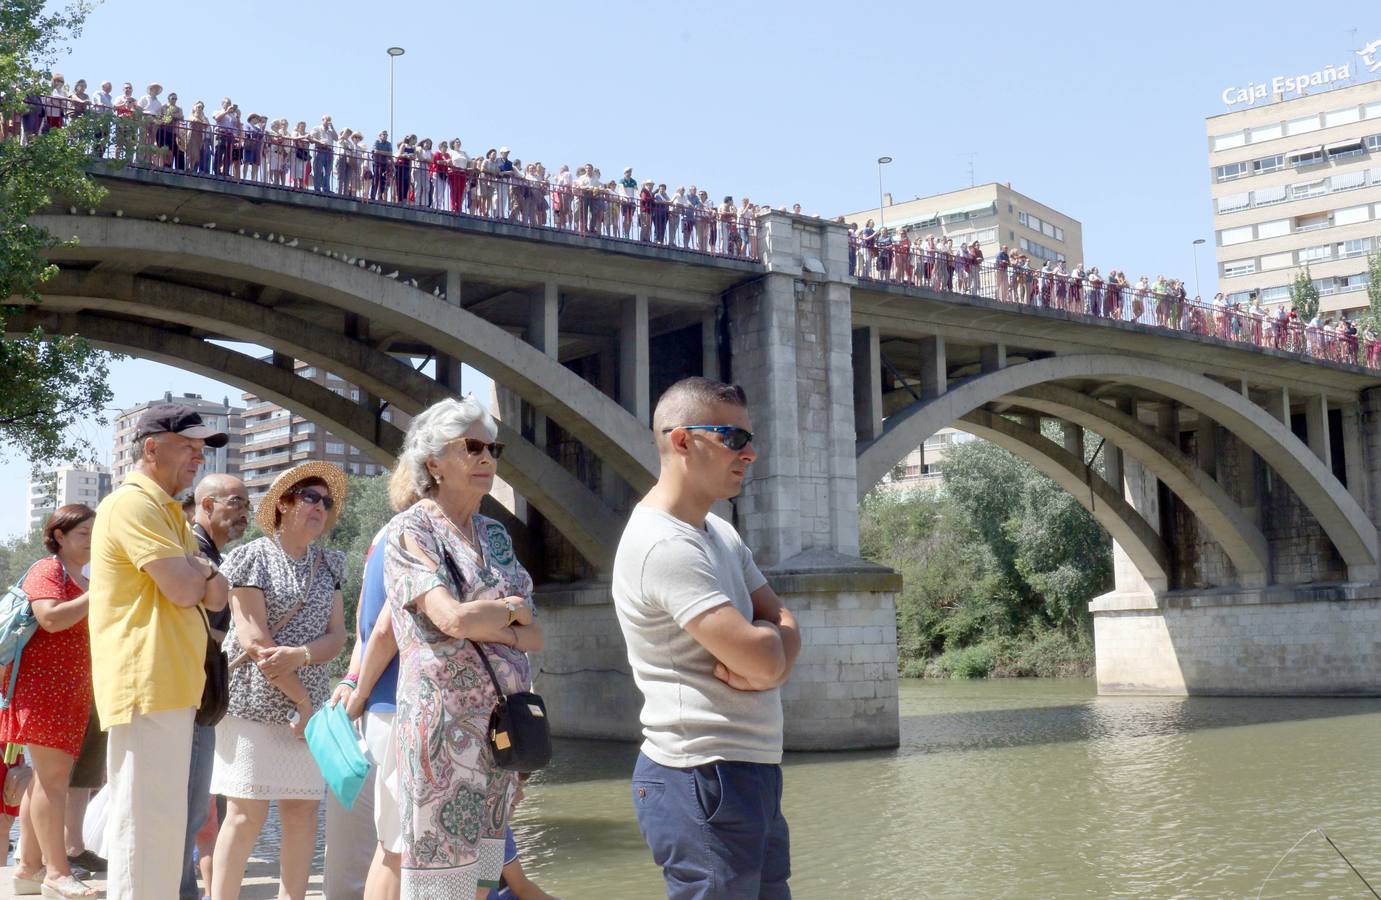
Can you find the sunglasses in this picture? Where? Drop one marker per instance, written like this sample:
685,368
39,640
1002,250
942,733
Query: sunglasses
731,436
475,446
312,498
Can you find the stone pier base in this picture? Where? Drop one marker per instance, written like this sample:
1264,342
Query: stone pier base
842,694
1318,640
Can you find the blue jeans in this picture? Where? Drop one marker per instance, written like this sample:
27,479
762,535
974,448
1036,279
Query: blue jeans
716,830
198,802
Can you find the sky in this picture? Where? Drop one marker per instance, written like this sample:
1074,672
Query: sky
1096,110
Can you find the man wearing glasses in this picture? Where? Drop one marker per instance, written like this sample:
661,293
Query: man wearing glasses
221,514
709,644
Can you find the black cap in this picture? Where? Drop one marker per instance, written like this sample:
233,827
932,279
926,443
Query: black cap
178,418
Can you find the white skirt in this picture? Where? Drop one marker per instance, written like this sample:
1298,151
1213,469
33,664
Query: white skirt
255,761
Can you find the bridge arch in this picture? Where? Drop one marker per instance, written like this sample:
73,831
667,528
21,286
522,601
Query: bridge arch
1129,528
610,431
1337,511
573,509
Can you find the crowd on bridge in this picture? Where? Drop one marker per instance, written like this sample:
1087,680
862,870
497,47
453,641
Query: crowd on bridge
440,175
435,174
191,671
906,257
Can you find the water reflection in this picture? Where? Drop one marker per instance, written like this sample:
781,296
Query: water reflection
1027,789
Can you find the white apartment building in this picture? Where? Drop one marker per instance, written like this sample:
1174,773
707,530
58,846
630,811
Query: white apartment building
1296,183
65,485
220,416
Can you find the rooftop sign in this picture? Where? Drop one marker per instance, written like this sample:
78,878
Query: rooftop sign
1285,86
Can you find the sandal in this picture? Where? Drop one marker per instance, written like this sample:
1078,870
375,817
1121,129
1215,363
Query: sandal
67,888
31,886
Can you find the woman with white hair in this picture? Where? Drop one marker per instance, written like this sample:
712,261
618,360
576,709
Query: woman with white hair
459,596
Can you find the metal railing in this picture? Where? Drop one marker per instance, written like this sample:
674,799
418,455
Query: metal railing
1098,298
471,187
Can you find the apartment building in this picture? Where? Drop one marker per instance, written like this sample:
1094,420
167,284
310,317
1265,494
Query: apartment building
275,439
64,485
220,416
1297,182
992,214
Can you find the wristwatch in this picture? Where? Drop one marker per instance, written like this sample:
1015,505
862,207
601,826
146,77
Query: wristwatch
512,611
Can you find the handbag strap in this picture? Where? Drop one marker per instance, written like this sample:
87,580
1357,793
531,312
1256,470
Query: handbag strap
460,584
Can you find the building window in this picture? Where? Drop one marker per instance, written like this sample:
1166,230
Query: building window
1240,267
1314,254
1266,133
1269,164
1352,215
1228,141
1230,236
1228,172
1311,222
307,371
1274,228
332,447
1355,248
1309,189
1234,202
1272,294
1342,117
1302,159
1347,181
1302,125
1277,261
1268,195
1373,142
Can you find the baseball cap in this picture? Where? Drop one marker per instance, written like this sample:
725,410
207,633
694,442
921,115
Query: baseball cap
178,418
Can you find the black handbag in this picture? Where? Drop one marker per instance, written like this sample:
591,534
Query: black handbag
519,735
215,696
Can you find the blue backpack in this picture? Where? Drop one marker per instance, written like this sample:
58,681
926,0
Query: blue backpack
17,625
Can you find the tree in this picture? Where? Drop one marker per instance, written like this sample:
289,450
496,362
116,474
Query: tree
17,554
50,382
1304,295
1374,292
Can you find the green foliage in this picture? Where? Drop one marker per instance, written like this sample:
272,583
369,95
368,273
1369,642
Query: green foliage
1304,294
49,383
998,569
17,554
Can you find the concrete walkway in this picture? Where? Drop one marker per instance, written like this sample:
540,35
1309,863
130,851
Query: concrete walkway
261,881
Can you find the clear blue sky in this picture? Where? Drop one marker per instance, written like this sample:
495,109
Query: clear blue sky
1095,109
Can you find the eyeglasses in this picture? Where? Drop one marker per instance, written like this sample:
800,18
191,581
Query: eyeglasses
234,503
732,437
312,498
475,446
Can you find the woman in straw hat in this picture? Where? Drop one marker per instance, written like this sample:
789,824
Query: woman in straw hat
453,583
289,622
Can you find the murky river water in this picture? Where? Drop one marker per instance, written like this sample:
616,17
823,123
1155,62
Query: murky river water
1027,789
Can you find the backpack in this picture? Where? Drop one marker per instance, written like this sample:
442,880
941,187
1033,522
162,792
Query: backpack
17,625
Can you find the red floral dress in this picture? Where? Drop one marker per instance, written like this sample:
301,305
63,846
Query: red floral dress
52,697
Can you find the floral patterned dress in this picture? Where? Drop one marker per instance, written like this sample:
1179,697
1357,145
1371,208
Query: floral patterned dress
454,803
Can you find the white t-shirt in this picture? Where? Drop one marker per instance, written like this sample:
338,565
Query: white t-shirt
666,573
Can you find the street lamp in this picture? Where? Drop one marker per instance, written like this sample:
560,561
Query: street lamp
882,213
393,53
1197,241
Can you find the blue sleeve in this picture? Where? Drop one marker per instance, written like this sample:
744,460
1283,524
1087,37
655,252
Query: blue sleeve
373,594
510,847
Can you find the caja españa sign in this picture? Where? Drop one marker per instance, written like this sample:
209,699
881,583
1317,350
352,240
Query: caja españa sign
1288,85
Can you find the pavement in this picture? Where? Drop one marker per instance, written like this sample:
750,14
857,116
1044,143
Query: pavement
261,881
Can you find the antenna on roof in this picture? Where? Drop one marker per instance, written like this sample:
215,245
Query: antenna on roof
970,157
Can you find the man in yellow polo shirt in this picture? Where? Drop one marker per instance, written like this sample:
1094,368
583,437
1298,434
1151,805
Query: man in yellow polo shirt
148,648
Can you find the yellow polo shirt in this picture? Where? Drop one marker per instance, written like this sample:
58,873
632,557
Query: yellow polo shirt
147,653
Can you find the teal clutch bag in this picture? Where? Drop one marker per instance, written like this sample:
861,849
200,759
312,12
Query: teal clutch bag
338,752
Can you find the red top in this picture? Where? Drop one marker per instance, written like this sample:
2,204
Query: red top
52,697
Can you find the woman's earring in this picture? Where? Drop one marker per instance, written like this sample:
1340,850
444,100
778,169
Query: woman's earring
438,478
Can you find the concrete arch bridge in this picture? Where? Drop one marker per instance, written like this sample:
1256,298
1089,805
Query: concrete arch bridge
1240,485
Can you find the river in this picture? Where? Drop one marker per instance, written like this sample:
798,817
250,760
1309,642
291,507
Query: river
1026,789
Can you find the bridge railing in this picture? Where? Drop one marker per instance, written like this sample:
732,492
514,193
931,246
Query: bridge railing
1097,298
478,190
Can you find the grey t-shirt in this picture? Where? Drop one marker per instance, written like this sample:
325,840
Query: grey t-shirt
666,573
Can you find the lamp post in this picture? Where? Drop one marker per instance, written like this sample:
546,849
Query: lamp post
393,53
1197,241
882,210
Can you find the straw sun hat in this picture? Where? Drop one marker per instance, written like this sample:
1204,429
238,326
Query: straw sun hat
335,483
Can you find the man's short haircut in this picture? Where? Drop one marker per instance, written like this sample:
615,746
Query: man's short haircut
215,485
690,400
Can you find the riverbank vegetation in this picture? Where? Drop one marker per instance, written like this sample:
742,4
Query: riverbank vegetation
999,564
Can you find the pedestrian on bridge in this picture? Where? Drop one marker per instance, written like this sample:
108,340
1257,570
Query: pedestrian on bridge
709,643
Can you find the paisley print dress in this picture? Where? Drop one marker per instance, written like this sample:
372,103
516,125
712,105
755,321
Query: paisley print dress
454,803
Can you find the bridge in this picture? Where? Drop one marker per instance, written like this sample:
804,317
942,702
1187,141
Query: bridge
1241,485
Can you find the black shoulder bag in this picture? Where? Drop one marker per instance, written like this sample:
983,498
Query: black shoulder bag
519,734
215,695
